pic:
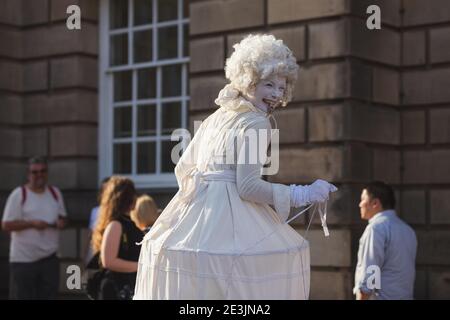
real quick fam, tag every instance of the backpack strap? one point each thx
(53, 192)
(24, 194)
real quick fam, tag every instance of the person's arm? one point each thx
(19, 225)
(372, 255)
(61, 222)
(250, 185)
(110, 250)
(362, 296)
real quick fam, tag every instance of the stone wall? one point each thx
(369, 104)
(425, 152)
(48, 106)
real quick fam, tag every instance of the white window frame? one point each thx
(106, 104)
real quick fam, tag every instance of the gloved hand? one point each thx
(316, 192)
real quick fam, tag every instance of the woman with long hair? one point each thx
(115, 237)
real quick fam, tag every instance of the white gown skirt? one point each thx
(219, 246)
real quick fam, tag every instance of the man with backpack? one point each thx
(34, 214)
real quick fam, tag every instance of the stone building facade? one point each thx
(369, 104)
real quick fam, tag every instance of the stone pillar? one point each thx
(48, 106)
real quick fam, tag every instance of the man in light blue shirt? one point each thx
(387, 248)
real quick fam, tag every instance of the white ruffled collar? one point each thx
(230, 99)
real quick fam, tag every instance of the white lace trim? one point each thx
(230, 99)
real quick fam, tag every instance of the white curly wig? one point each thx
(257, 57)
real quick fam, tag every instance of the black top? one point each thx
(131, 235)
(128, 250)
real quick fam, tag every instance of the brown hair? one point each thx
(145, 212)
(117, 199)
(101, 189)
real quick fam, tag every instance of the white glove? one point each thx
(317, 192)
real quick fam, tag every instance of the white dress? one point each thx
(219, 238)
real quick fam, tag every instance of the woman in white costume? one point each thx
(219, 237)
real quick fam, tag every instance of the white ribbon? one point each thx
(322, 208)
(323, 217)
(188, 191)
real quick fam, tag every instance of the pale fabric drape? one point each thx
(219, 238)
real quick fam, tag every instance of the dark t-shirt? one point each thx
(128, 250)
(131, 235)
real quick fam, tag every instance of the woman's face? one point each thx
(268, 93)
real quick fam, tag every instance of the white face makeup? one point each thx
(268, 93)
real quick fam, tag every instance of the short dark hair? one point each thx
(37, 160)
(383, 192)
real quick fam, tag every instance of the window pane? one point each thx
(119, 49)
(146, 120)
(147, 83)
(146, 157)
(171, 80)
(118, 14)
(122, 158)
(167, 42)
(143, 46)
(143, 12)
(171, 117)
(122, 122)
(122, 86)
(167, 10)
(166, 150)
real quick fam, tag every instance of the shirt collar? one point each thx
(385, 213)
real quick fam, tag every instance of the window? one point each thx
(143, 88)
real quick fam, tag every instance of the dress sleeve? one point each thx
(250, 185)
